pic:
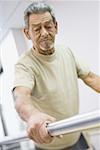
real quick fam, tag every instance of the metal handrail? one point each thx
(75, 124)
(66, 126)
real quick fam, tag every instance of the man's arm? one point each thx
(93, 81)
(23, 103)
(35, 119)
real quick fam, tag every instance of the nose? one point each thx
(44, 32)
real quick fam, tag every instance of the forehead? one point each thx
(39, 18)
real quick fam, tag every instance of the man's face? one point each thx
(42, 31)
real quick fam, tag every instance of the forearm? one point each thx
(24, 105)
(25, 110)
(93, 81)
(32, 114)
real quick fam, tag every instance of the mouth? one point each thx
(45, 40)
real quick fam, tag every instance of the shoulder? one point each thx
(25, 58)
(64, 50)
(27, 63)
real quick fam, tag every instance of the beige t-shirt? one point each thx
(53, 80)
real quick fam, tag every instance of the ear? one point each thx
(26, 32)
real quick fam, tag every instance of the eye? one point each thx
(48, 27)
(37, 29)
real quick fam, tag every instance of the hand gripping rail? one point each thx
(70, 125)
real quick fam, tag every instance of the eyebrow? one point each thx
(40, 23)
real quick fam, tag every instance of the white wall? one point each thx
(9, 57)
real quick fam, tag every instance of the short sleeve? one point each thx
(81, 67)
(23, 76)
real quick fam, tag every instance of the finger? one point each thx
(37, 137)
(44, 133)
(32, 135)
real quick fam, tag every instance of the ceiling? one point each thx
(11, 13)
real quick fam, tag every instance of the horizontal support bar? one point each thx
(75, 124)
(66, 126)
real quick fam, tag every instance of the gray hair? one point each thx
(37, 8)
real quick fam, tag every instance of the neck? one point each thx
(47, 52)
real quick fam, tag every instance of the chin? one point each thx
(47, 47)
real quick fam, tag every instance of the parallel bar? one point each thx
(73, 124)
(14, 139)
